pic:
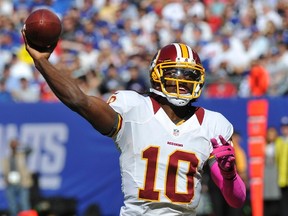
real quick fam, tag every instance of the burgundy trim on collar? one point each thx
(200, 114)
(155, 104)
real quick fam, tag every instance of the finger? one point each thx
(228, 163)
(223, 141)
(222, 154)
(24, 37)
(231, 159)
(223, 151)
(23, 33)
(214, 143)
(52, 47)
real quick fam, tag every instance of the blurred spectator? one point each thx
(147, 19)
(46, 94)
(89, 82)
(17, 178)
(128, 9)
(26, 93)
(217, 7)
(135, 82)
(108, 10)
(6, 7)
(5, 95)
(277, 71)
(19, 69)
(88, 56)
(196, 7)
(281, 152)
(267, 13)
(258, 44)
(112, 86)
(232, 55)
(242, 169)
(174, 12)
(5, 56)
(280, 70)
(221, 87)
(68, 61)
(208, 52)
(70, 24)
(196, 30)
(272, 192)
(112, 82)
(241, 157)
(10, 81)
(9, 40)
(88, 35)
(257, 81)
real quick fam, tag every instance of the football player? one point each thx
(164, 140)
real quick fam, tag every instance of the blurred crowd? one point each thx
(107, 45)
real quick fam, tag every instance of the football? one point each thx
(42, 29)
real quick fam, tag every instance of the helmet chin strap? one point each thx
(173, 100)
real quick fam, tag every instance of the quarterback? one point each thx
(164, 140)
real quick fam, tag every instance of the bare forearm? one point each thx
(100, 115)
(64, 86)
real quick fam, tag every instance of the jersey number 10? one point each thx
(150, 193)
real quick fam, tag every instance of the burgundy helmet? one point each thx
(181, 65)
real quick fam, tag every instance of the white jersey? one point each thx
(161, 163)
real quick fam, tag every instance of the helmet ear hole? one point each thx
(156, 86)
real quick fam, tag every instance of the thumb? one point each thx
(231, 159)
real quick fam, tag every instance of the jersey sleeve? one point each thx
(122, 102)
(218, 125)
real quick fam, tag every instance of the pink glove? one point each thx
(225, 157)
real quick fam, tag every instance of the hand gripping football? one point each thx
(42, 29)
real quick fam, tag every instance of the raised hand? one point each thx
(225, 156)
(34, 53)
